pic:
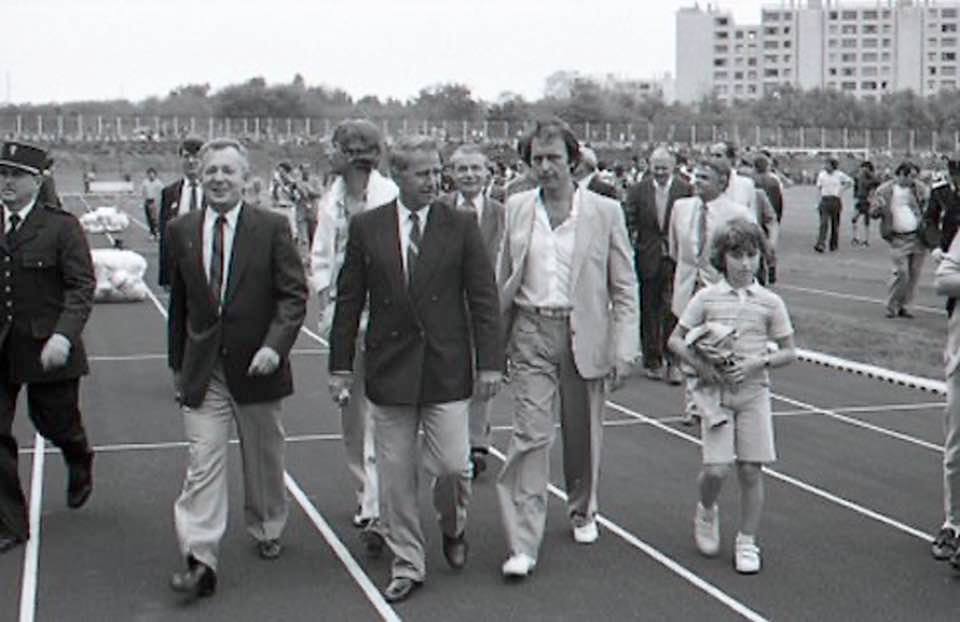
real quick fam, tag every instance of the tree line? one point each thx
(574, 97)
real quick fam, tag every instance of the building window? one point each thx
(751, 62)
(722, 35)
(868, 71)
(752, 89)
(849, 29)
(948, 84)
(885, 57)
(869, 43)
(831, 85)
(771, 45)
(786, 58)
(738, 35)
(849, 72)
(770, 30)
(848, 86)
(886, 28)
(885, 69)
(848, 57)
(751, 75)
(786, 44)
(932, 42)
(948, 27)
(770, 16)
(932, 71)
(869, 15)
(948, 42)
(738, 75)
(848, 43)
(770, 58)
(948, 70)
(832, 71)
(770, 73)
(833, 15)
(720, 75)
(786, 73)
(869, 29)
(834, 29)
(885, 14)
(849, 15)
(721, 89)
(948, 56)
(832, 43)
(885, 43)
(869, 57)
(786, 30)
(719, 62)
(721, 21)
(868, 85)
(720, 49)
(949, 13)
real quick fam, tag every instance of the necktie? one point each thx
(216, 259)
(14, 222)
(413, 247)
(702, 232)
(192, 204)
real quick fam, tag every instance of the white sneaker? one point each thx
(706, 529)
(747, 555)
(519, 565)
(585, 531)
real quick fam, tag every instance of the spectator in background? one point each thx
(831, 182)
(944, 208)
(900, 204)
(767, 219)
(524, 179)
(739, 189)
(771, 185)
(306, 206)
(586, 175)
(253, 191)
(182, 196)
(151, 189)
(864, 185)
(285, 194)
(89, 177)
(648, 206)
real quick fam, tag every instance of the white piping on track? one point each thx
(826, 292)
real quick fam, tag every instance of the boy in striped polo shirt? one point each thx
(758, 316)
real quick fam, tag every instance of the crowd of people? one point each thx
(437, 284)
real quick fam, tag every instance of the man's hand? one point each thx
(488, 383)
(264, 362)
(618, 375)
(55, 352)
(340, 385)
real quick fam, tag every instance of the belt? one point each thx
(558, 313)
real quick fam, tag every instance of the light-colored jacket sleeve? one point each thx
(323, 249)
(622, 284)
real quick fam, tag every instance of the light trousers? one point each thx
(907, 254)
(356, 421)
(479, 423)
(200, 512)
(445, 453)
(951, 452)
(547, 384)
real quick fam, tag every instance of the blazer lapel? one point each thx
(432, 248)
(388, 238)
(582, 236)
(30, 228)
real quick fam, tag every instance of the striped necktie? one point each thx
(413, 246)
(216, 260)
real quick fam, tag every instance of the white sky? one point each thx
(66, 50)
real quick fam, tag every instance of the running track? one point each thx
(851, 507)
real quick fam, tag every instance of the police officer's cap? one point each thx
(191, 145)
(23, 156)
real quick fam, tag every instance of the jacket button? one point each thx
(395, 334)
(223, 351)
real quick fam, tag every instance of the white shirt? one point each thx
(741, 190)
(901, 208)
(478, 204)
(229, 231)
(185, 196)
(404, 224)
(547, 272)
(661, 196)
(23, 213)
(832, 184)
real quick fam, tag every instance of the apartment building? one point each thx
(862, 48)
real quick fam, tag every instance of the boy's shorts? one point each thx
(748, 436)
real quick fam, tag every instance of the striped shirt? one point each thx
(758, 314)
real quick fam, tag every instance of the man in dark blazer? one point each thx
(188, 189)
(237, 301)
(470, 176)
(46, 295)
(648, 206)
(434, 320)
(586, 174)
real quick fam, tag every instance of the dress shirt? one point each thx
(901, 208)
(742, 190)
(831, 183)
(547, 272)
(153, 190)
(478, 204)
(229, 230)
(403, 222)
(661, 195)
(185, 196)
(23, 213)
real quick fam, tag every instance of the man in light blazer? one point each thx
(648, 206)
(470, 176)
(421, 268)
(693, 223)
(569, 295)
(237, 300)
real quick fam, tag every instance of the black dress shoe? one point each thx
(478, 461)
(400, 589)
(905, 313)
(8, 542)
(199, 580)
(79, 481)
(373, 542)
(269, 549)
(455, 550)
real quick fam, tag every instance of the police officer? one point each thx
(46, 294)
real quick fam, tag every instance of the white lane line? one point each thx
(31, 554)
(832, 294)
(814, 490)
(859, 423)
(373, 594)
(879, 410)
(661, 558)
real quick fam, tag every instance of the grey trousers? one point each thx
(200, 512)
(951, 452)
(907, 254)
(479, 423)
(546, 384)
(446, 458)
(356, 421)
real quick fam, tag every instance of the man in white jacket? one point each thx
(357, 187)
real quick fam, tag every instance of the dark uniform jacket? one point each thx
(169, 209)
(264, 304)
(46, 286)
(419, 340)
(649, 235)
